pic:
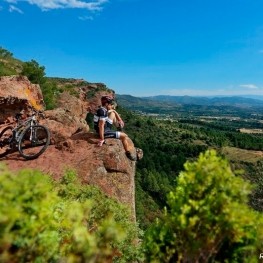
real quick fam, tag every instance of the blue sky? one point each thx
(142, 47)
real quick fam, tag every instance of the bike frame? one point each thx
(18, 130)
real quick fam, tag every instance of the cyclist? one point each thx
(103, 125)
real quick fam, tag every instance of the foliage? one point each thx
(50, 93)
(207, 218)
(6, 71)
(34, 72)
(255, 174)
(168, 142)
(165, 153)
(44, 221)
(5, 53)
(27, 227)
(8, 64)
(98, 87)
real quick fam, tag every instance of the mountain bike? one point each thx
(28, 136)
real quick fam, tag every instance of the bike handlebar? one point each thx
(36, 113)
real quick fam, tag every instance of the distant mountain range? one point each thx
(166, 100)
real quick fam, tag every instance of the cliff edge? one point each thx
(73, 145)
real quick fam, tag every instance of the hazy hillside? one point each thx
(156, 101)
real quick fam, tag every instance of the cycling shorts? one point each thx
(112, 134)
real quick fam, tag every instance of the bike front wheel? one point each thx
(5, 138)
(34, 141)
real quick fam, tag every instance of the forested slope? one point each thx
(167, 144)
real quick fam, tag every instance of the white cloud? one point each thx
(84, 18)
(249, 86)
(11, 1)
(95, 5)
(12, 8)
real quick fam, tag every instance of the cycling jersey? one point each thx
(102, 114)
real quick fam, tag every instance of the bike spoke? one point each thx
(34, 141)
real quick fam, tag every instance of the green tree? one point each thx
(5, 53)
(207, 219)
(34, 72)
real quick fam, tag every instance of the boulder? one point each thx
(18, 93)
(63, 124)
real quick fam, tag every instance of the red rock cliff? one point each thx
(73, 146)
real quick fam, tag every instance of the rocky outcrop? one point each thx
(73, 145)
(16, 94)
(63, 124)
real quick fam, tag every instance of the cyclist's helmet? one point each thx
(106, 99)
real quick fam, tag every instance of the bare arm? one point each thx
(117, 116)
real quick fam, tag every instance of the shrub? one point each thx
(50, 93)
(207, 219)
(28, 229)
(34, 72)
(44, 221)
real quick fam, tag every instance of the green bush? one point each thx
(44, 221)
(34, 72)
(50, 93)
(4, 53)
(28, 229)
(6, 70)
(207, 219)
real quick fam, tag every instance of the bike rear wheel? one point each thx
(5, 138)
(34, 141)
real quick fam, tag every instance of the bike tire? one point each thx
(34, 141)
(5, 138)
